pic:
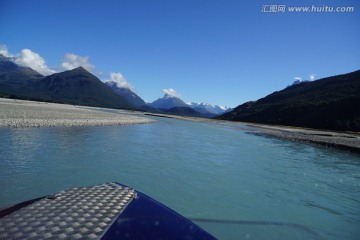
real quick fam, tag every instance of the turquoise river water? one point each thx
(264, 187)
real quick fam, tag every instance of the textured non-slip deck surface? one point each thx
(78, 213)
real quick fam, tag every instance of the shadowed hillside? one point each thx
(76, 86)
(13, 76)
(329, 103)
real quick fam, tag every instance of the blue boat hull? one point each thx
(115, 212)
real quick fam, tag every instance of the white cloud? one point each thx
(72, 61)
(4, 51)
(33, 60)
(312, 77)
(171, 92)
(120, 81)
(28, 58)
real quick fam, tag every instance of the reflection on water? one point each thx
(202, 170)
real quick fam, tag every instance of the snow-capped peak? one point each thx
(214, 109)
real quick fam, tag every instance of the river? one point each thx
(260, 187)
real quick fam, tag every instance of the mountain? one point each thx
(126, 93)
(77, 86)
(174, 105)
(167, 102)
(13, 76)
(209, 109)
(329, 103)
(10, 72)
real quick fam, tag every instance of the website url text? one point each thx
(306, 9)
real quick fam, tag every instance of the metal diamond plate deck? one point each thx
(78, 213)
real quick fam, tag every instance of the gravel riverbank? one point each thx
(340, 140)
(20, 113)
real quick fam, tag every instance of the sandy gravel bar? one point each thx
(340, 140)
(19, 113)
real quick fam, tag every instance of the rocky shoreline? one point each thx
(20, 113)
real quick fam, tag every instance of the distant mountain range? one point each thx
(170, 103)
(328, 103)
(76, 86)
(80, 87)
(208, 108)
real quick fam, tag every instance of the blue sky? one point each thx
(221, 52)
